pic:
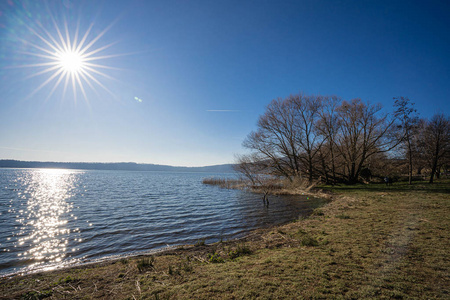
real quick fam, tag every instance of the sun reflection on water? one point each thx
(43, 237)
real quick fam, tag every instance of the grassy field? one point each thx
(370, 241)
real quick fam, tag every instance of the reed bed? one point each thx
(225, 183)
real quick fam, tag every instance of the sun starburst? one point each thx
(69, 60)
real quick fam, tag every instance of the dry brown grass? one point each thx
(225, 183)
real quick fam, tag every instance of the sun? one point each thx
(71, 61)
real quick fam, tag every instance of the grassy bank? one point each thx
(368, 242)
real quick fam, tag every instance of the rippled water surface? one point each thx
(51, 218)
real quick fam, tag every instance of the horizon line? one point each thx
(120, 162)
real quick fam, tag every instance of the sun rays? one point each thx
(68, 59)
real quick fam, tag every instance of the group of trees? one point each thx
(334, 140)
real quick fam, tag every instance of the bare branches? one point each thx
(318, 136)
(333, 140)
(362, 131)
(436, 139)
(408, 119)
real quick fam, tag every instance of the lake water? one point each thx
(53, 218)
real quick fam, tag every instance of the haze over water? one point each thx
(52, 218)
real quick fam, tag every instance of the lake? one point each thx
(52, 218)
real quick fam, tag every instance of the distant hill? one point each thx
(8, 163)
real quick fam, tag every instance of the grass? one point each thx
(145, 263)
(370, 241)
(200, 243)
(224, 182)
(240, 250)
(215, 258)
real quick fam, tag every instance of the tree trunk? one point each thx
(333, 168)
(410, 163)
(435, 160)
(352, 175)
(433, 171)
(310, 167)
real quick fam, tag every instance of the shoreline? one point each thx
(368, 242)
(101, 260)
(254, 234)
(168, 248)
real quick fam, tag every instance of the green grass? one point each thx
(215, 258)
(369, 242)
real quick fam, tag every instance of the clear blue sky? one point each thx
(187, 80)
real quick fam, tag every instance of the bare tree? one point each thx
(437, 142)
(408, 118)
(363, 132)
(317, 135)
(250, 167)
(287, 136)
(418, 147)
(275, 141)
(307, 113)
(327, 126)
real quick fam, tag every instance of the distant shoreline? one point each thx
(121, 166)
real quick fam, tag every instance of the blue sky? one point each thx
(185, 81)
